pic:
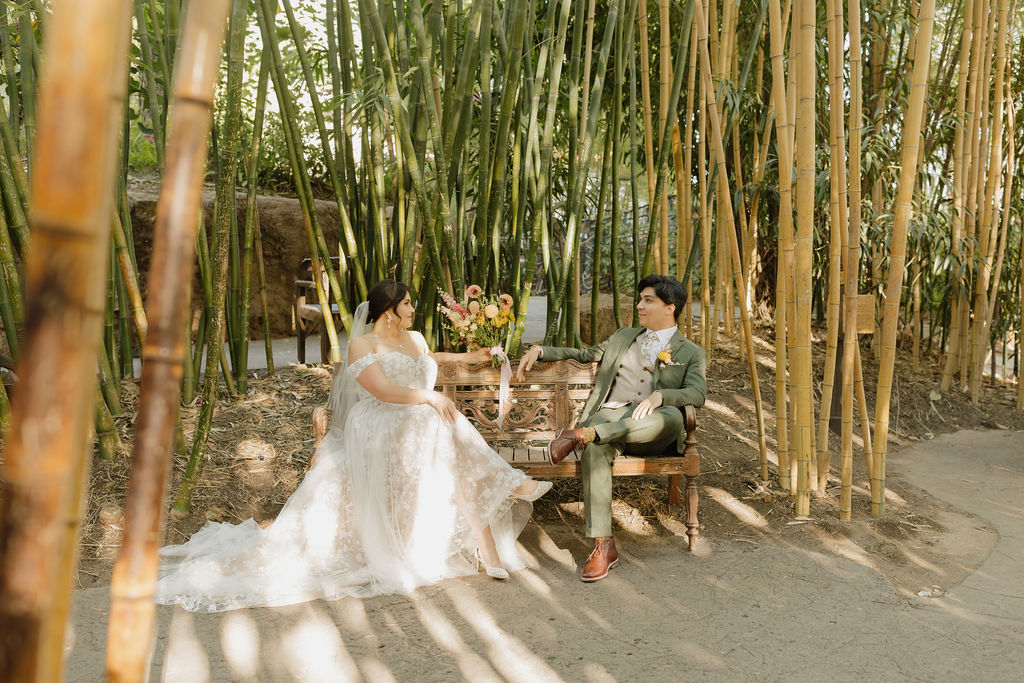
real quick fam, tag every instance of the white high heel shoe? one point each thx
(541, 488)
(499, 573)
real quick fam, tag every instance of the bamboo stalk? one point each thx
(46, 458)
(850, 341)
(837, 233)
(225, 209)
(737, 271)
(908, 173)
(134, 580)
(251, 219)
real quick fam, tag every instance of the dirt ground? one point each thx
(260, 446)
(917, 594)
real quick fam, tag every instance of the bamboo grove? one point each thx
(803, 162)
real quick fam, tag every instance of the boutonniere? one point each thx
(665, 358)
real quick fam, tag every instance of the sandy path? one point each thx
(732, 611)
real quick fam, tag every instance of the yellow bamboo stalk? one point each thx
(133, 585)
(837, 232)
(784, 138)
(648, 115)
(706, 317)
(665, 63)
(724, 194)
(686, 200)
(803, 409)
(898, 249)
(952, 356)
(81, 96)
(978, 89)
(982, 316)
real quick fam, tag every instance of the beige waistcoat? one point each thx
(633, 382)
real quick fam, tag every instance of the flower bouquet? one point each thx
(478, 322)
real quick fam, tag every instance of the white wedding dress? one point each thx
(393, 501)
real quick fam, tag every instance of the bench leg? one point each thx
(301, 334)
(692, 527)
(674, 480)
(325, 344)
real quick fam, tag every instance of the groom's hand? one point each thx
(648, 406)
(527, 361)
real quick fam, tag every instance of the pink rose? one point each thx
(506, 301)
(472, 291)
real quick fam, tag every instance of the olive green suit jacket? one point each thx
(681, 380)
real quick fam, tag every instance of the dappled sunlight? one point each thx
(185, 647)
(446, 636)
(716, 407)
(895, 498)
(240, 642)
(315, 634)
(743, 512)
(700, 656)
(595, 673)
(507, 653)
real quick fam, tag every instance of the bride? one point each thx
(402, 492)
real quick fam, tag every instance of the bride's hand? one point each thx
(443, 405)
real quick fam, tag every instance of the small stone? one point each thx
(111, 515)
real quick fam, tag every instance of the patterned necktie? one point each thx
(647, 340)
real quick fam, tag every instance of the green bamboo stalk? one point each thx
(595, 287)
(14, 202)
(242, 362)
(264, 302)
(7, 314)
(110, 346)
(346, 222)
(13, 96)
(27, 38)
(108, 385)
(14, 158)
(293, 142)
(543, 177)
(576, 198)
(318, 247)
(155, 110)
(225, 203)
(9, 273)
(401, 123)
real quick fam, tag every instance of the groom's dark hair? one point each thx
(668, 290)
(384, 296)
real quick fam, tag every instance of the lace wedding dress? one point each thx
(393, 501)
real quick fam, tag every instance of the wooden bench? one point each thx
(308, 318)
(551, 398)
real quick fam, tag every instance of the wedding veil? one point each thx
(343, 387)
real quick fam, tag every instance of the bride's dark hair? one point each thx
(383, 297)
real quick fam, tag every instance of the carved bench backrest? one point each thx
(551, 398)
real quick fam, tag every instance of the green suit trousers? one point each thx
(617, 432)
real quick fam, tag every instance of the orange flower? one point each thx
(665, 356)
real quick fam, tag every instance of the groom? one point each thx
(646, 375)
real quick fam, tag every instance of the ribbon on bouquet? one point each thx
(503, 389)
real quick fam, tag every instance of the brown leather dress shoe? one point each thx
(604, 557)
(565, 442)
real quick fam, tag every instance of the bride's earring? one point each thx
(389, 319)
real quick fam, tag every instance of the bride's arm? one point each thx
(478, 356)
(372, 379)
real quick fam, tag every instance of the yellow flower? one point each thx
(664, 356)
